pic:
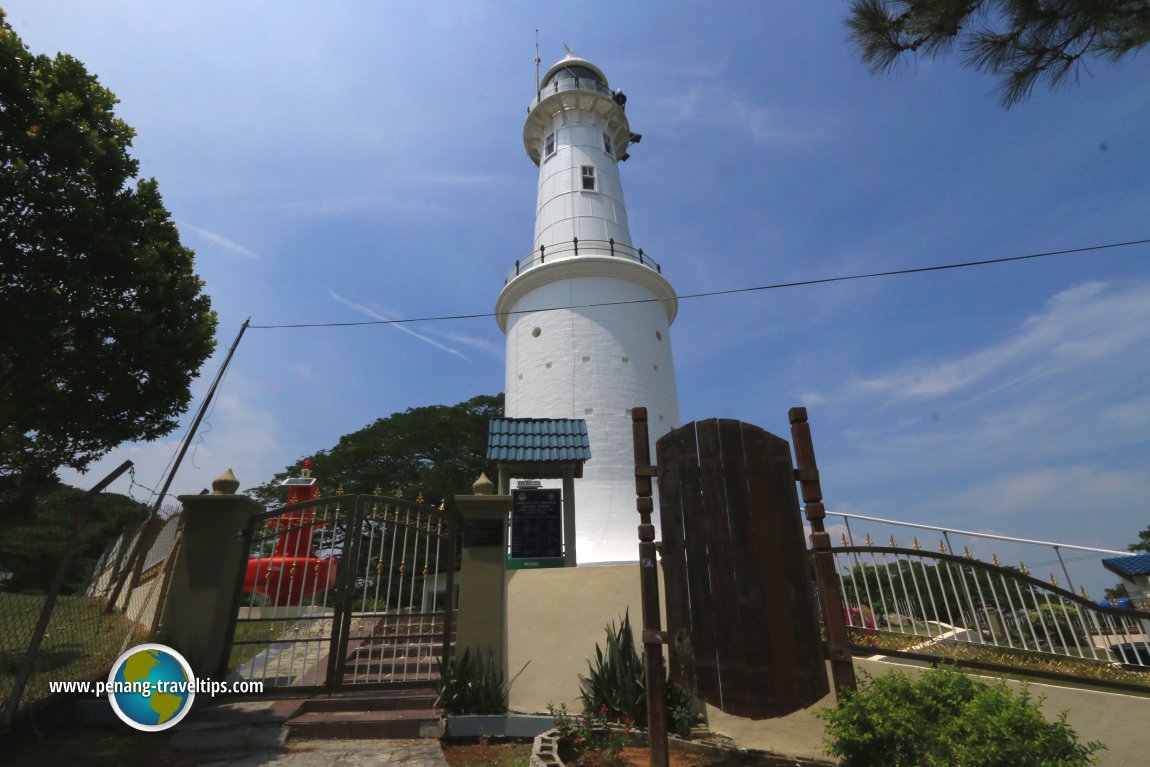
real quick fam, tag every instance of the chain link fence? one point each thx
(104, 595)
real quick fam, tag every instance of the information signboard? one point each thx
(536, 524)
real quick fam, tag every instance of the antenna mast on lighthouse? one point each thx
(537, 61)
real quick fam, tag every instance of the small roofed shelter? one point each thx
(1135, 571)
(542, 448)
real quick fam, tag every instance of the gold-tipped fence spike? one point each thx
(1053, 580)
(1022, 568)
(1085, 594)
(893, 543)
(917, 544)
(339, 489)
(426, 571)
(966, 552)
(419, 497)
(942, 547)
(869, 540)
(378, 489)
(443, 505)
(997, 562)
(843, 538)
(399, 492)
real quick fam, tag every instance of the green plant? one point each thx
(617, 684)
(616, 680)
(681, 720)
(591, 732)
(948, 718)
(473, 685)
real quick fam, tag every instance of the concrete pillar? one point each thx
(201, 602)
(482, 574)
(569, 553)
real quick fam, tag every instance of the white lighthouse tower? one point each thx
(587, 314)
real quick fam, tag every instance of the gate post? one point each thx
(482, 618)
(200, 608)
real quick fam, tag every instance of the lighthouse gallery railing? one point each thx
(577, 248)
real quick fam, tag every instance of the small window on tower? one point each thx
(589, 178)
(549, 145)
(607, 146)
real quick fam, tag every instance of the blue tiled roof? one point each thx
(538, 440)
(1135, 564)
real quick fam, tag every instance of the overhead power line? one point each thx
(728, 292)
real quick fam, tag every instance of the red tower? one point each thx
(293, 571)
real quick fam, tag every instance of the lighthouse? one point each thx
(587, 314)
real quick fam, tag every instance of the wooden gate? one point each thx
(741, 609)
(346, 590)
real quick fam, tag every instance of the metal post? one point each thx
(541, 255)
(576, 241)
(807, 473)
(653, 636)
(1069, 583)
(138, 551)
(612, 242)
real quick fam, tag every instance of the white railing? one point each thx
(935, 594)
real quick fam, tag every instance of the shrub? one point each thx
(948, 718)
(616, 684)
(473, 686)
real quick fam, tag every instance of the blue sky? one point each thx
(338, 161)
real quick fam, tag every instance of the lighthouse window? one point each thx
(589, 178)
(549, 145)
(607, 144)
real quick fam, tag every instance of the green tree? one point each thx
(104, 322)
(1021, 41)
(438, 450)
(31, 542)
(1143, 542)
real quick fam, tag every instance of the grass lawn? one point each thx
(81, 642)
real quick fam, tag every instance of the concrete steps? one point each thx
(400, 713)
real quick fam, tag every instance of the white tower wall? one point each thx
(565, 357)
(564, 211)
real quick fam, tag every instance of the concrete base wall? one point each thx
(556, 617)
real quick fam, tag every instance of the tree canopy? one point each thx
(1021, 41)
(1143, 543)
(31, 541)
(104, 321)
(438, 450)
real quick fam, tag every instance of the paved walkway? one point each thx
(318, 753)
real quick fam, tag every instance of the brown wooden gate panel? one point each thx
(741, 609)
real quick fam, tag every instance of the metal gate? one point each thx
(345, 590)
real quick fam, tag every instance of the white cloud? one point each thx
(367, 311)
(716, 105)
(223, 242)
(481, 344)
(1079, 326)
(236, 434)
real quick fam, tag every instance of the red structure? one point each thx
(293, 571)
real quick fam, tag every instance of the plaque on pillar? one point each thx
(536, 529)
